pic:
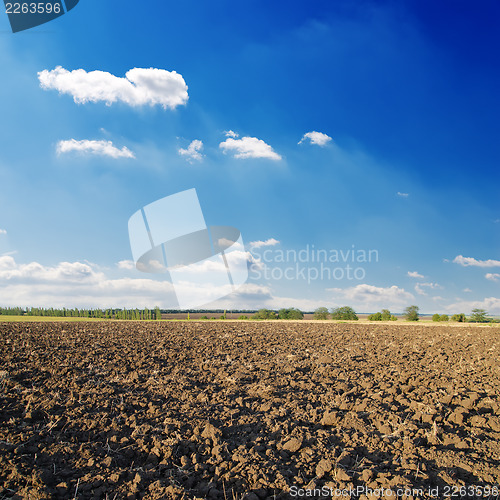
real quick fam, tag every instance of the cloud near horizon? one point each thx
(370, 296)
(90, 147)
(141, 86)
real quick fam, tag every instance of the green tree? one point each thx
(393, 318)
(444, 317)
(344, 313)
(436, 317)
(157, 313)
(411, 313)
(375, 317)
(386, 315)
(478, 316)
(321, 313)
(243, 317)
(291, 313)
(458, 317)
(264, 314)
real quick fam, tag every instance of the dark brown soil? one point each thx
(254, 410)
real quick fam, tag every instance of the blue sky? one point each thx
(402, 96)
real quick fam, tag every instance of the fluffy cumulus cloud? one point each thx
(97, 148)
(492, 276)
(470, 261)
(193, 151)
(317, 138)
(366, 298)
(82, 284)
(67, 272)
(139, 87)
(126, 264)
(415, 274)
(231, 133)
(271, 242)
(76, 284)
(249, 147)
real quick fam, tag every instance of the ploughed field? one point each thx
(250, 410)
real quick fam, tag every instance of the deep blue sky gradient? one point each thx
(407, 90)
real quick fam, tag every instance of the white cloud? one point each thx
(140, 86)
(68, 272)
(126, 264)
(249, 147)
(99, 148)
(414, 274)
(467, 290)
(3, 231)
(491, 304)
(419, 287)
(267, 243)
(193, 151)
(76, 284)
(402, 195)
(492, 276)
(231, 133)
(255, 296)
(368, 297)
(317, 138)
(470, 261)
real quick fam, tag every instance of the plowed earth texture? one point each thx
(252, 410)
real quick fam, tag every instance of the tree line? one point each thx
(344, 313)
(122, 314)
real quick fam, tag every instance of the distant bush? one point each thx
(321, 313)
(291, 313)
(438, 317)
(344, 313)
(243, 317)
(411, 313)
(384, 315)
(459, 317)
(204, 317)
(264, 314)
